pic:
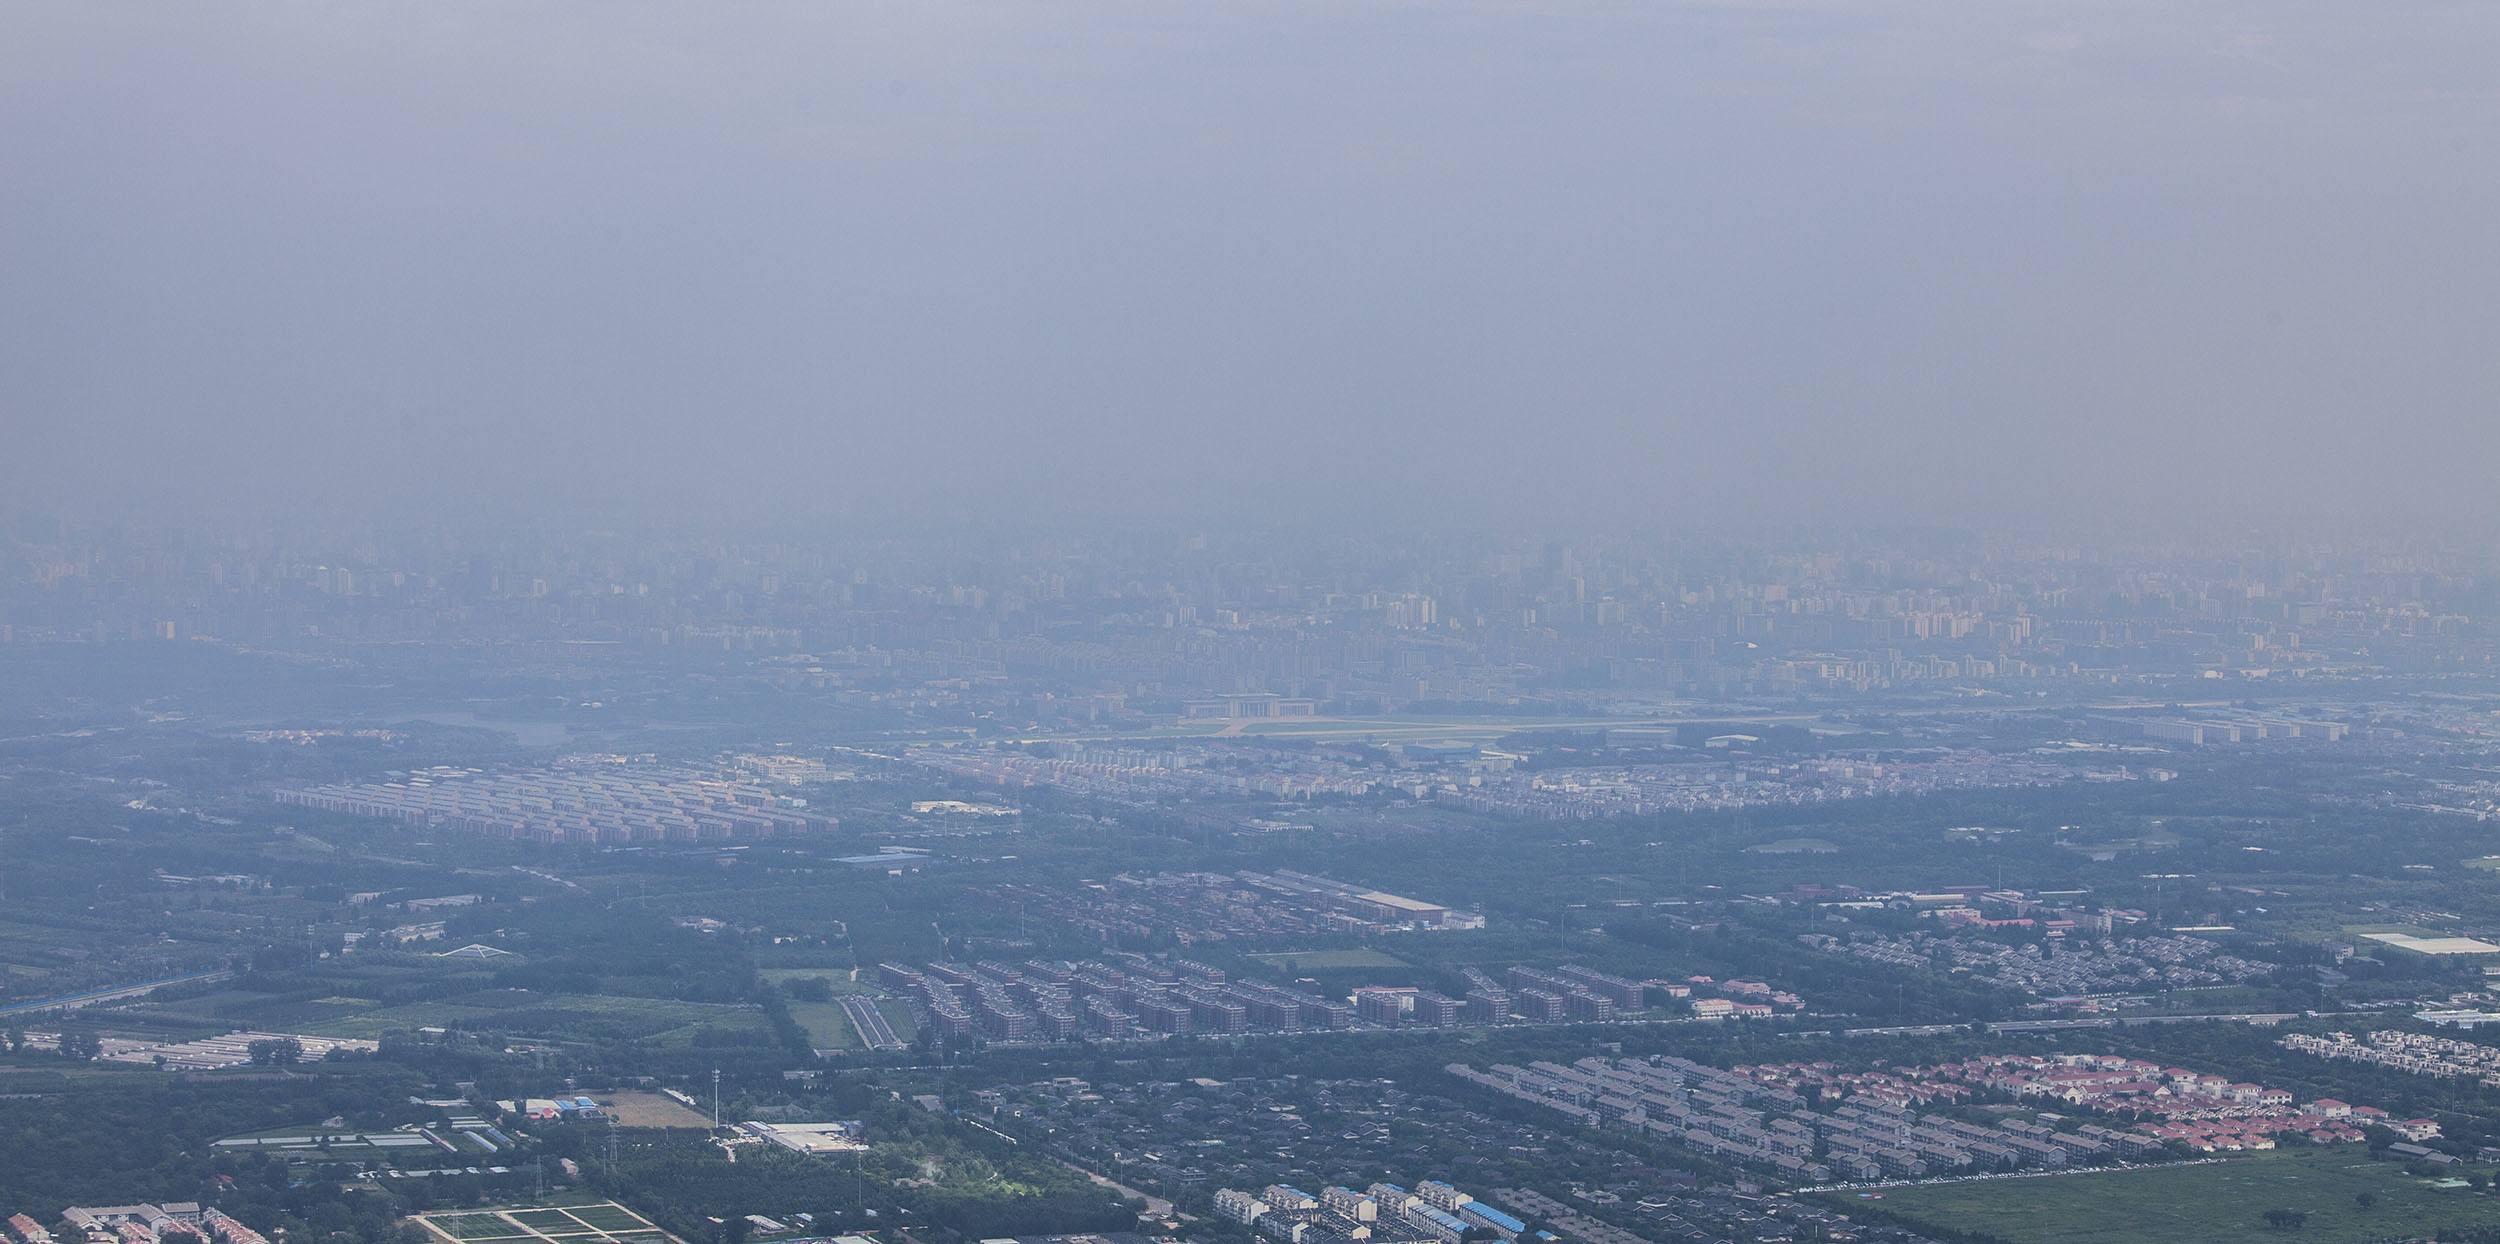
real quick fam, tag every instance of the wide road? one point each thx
(869, 1022)
(75, 1001)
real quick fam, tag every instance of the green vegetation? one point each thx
(608, 1217)
(2343, 1195)
(961, 1180)
(472, 1226)
(117, 1138)
(547, 1220)
(898, 1017)
(826, 1024)
(600, 1222)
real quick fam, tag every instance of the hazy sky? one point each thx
(1485, 260)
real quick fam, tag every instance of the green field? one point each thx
(837, 980)
(2190, 1204)
(1332, 960)
(471, 1226)
(609, 1218)
(551, 1016)
(602, 1222)
(827, 1027)
(898, 1017)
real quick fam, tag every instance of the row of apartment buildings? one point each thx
(1383, 1213)
(1737, 1118)
(1135, 998)
(2208, 731)
(2415, 1053)
(1129, 996)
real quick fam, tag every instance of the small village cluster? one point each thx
(1819, 1122)
(175, 1222)
(2207, 1113)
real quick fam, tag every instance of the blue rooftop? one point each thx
(1492, 1217)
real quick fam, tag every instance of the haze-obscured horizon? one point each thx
(1586, 262)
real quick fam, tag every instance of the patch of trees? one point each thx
(275, 1052)
(145, 1137)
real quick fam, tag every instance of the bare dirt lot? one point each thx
(652, 1110)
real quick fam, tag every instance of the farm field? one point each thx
(827, 1027)
(898, 1017)
(599, 1222)
(2191, 1204)
(552, 1016)
(2408, 930)
(837, 979)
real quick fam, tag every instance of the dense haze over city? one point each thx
(1435, 263)
(1249, 623)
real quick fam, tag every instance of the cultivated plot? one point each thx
(596, 1222)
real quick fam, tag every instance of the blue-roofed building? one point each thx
(1439, 1224)
(1502, 1222)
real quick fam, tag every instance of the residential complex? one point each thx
(577, 803)
(1131, 997)
(174, 1222)
(2058, 966)
(1817, 1123)
(2418, 1053)
(1128, 998)
(1650, 790)
(1382, 1213)
(1148, 908)
(1760, 1122)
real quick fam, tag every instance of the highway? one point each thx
(75, 1001)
